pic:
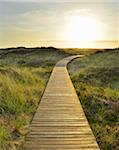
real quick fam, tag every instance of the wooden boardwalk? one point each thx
(60, 123)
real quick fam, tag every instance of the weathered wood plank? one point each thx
(60, 122)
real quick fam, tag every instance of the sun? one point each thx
(84, 28)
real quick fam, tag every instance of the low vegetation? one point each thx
(20, 92)
(23, 77)
(24, 73)
(96, 79)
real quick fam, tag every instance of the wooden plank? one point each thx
(60, 122)
(47, 147)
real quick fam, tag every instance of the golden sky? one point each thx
(68, 23)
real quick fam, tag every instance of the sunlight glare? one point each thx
(84, 28)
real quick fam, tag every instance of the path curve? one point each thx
(60, 122)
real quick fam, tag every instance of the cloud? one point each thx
(80, 11)
(39, 15)
(53, 15)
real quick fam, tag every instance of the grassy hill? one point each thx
(96, 79)
(23, 76)
(24, 73)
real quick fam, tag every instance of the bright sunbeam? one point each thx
(84, 28)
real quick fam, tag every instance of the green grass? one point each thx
(20, 90)
(24, 74)
(23, 78)
(96, 79)
(4, 136)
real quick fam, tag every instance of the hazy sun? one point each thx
(84, 28)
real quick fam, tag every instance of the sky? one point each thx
(64, 23)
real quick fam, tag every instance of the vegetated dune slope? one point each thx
(23, 77)
(24, 73)
(96, 79)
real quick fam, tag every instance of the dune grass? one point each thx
(20, 92)
(23, 77)
(24, 74)
(96, 79)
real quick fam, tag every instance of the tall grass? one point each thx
(96, 79)
(20, 92)
(4, 136)
(23, 77)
